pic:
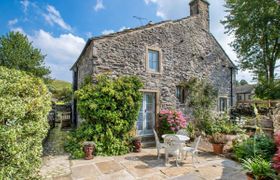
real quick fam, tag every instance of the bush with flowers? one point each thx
(170, 121)
(276, 157)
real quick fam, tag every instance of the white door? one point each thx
(147, 114)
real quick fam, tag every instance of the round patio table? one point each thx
(181, 137)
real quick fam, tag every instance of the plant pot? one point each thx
(89, 150)
(218, 148)
(136, 145)
(250, 176)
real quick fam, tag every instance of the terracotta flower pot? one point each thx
(218, 148)
(88, 149)
(250, 176)
(136, 145)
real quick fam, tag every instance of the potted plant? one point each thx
(136, 143)
(258, 168)
(88, 147)
(218, 141)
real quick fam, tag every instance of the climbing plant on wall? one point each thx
(110, 109)
(202, 97)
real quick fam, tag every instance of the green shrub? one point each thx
(259, 145)
(110, 109)
(258, 167)
(222, 124)
(24, 105)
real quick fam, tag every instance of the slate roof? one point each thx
(244, 89)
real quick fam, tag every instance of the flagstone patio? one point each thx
(144, 165)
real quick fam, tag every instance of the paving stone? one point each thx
(68, 177)
(176, 171)
(54, 166)
(210, 172)
(85, 172)
(190, 176)
(154, 177)
(119, 175)
(109, 167)
(139, 169)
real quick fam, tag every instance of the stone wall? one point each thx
(276, 118)
(187, 51)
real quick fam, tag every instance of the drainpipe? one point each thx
(231, 86)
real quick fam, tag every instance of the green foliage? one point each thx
(61, 90)
(222, 124)
(255, 26)
(202, 98)
(259, 167)
(243, 82)
(259, 145)
(191, 130)
(24, 103)
(110, 109)
(268, 91)
(18, 53)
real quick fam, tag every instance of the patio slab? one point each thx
(109, 167)
(144, 165)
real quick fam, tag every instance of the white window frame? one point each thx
(148, 69)
(220, 109)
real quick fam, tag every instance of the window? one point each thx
(181, 94)
(239, 97)
(153, 60)
(222, 104)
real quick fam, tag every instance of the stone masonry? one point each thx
(187, 49)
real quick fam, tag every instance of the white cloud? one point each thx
(18, 29)
(62, 51)
(170, 9)
(99, 5)
(107, 31)
(12, 22)
(25, 5)
(123, 28)
(53, 17)
(89, 34)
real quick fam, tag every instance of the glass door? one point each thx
(147, 114)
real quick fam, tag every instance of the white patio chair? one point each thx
(159, 145)
(193, 150)
(172, 146)
(182, 132)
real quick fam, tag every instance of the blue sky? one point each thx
(61, 28)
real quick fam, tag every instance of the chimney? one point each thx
(200, 8)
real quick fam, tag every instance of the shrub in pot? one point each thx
(218, 141)
(258, 168)
(89, 148)
(136, 144)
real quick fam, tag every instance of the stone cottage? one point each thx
(162, 55)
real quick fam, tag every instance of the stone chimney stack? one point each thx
(200, 8)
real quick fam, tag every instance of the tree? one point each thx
(18, 53)
(255, 26)
(243, 82)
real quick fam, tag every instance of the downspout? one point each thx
(231, 86)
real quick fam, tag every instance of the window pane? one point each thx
(154, 60)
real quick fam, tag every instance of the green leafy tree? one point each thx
(255, 26)
(243, 82)
(18, 53)
(25, 103)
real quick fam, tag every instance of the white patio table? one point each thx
(182, 138)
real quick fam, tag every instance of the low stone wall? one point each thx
(276, 118)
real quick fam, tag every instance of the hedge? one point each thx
(24, 105)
